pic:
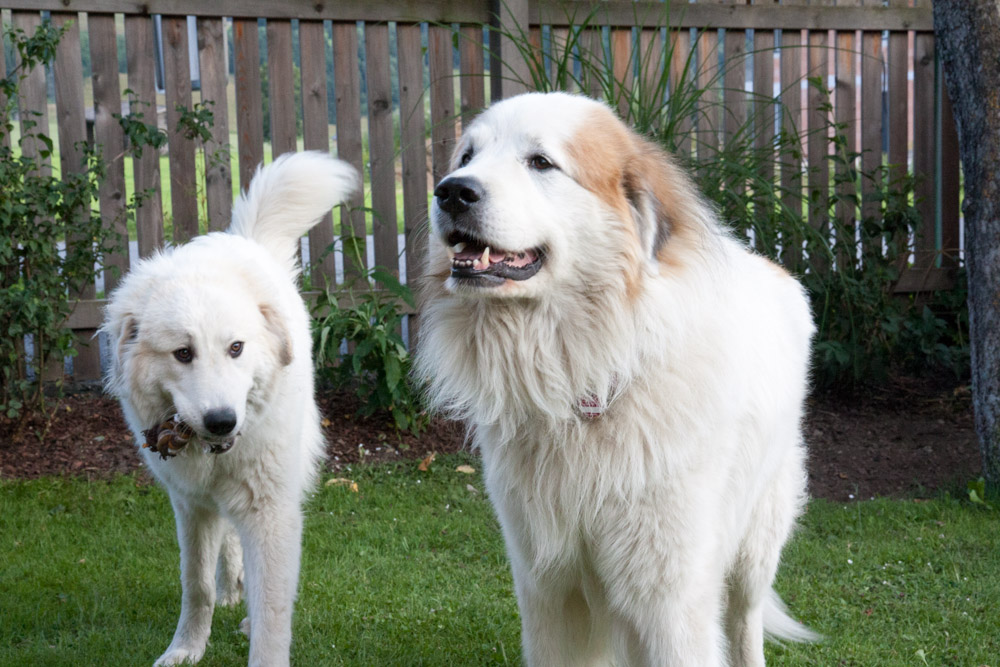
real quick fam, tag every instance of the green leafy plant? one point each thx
(357, 343)
(39, 212)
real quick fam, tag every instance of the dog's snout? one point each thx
(220, 421)
(458, 195)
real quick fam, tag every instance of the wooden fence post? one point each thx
(509, 73)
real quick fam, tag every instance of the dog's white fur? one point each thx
(651, 534)
(219, 289)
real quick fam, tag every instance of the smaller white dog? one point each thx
(212, 364)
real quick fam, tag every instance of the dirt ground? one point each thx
(912, 439)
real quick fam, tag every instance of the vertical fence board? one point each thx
(249, 105)
(871, 115)
(791, 115)
(764, 117)
(621, 69)
(442, 100)
(562, 57)
(473, 85)
(592, 59)
(898, 115)
(681, 70)
(413, 144)
(109, 139)
(709, 117)
(818, 146)
(5, 140)
(146, 169)
(924, 131)
(177, 82)
(950, 184)
(281, 86)
(650, 89)
(316, 136)
(348, 103)
(67, 72)
(31, 102)
(382, 158)
(214, 80)
(845, 111)
(733, 93)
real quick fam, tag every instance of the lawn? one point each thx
(410, 570)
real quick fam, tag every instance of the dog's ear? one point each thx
(659, 193)
(276, 327)
(123, 330)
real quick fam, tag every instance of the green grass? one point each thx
(410, 570)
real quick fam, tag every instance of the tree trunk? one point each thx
(968, 36)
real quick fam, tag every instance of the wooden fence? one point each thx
(406, 73)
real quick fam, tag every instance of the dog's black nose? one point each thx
(220, 421)
(457, 195)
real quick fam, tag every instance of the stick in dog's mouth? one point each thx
(170, 436)
(472, 258)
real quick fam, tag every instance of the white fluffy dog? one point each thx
(635, 380)
(213, 338)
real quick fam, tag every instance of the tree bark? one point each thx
(968, 37)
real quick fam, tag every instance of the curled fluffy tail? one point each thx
(780, 626)
(288, 197)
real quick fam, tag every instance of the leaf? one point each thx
(426, 463)
(393, 372)
(343, 481)
(468, 470)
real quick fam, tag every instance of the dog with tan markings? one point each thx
(634, 378)
(212, 364)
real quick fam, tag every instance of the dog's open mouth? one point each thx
(475, 260)
(171, 435)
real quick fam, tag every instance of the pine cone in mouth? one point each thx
(168, 437)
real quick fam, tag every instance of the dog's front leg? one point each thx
(272, 541)
(199, 533)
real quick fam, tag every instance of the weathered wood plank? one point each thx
(5, 139)
(214, 80)
(871, 121)
(472, 93)
(281, 86)
(898, 115)
(33, 109)
(413, 146)
(818, 145)
(682, 70)
(791, 124)
(950, 182)
(442, 100)
(733, 95)
(845, 115)
(67, 72)
(316, 136)
(924, 149)
(554, 12)
(146, 168)
(177, 82)
(509, 73)
(651, 88)
(621, 69)
(763, 126)
(249, 105)
(709, 116)
(382, 154)
(109, 139)
(348, 103)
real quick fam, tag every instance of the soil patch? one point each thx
(913, 439)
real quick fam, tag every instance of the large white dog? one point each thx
(212, 364)
(634, 378)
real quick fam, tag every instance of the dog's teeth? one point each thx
(451, 253)
(486, 258)
(458, 247)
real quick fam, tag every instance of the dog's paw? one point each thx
(245, 626)
(179, 656)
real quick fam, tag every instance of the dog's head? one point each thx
(552, 189)
(193, 334)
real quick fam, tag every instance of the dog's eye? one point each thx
(236, 349)
(185, 355)
(540, 163)
(466, 159)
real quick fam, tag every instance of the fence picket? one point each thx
(249, 105)
(845, 111)
(177, 83)
(281, 87)
(442, 93)
(899, 112)
(791, 124)
(472, 91)
(110, 139)
(871, 117)
(382, 154)
(818, 145)
(146, 168)
(214, 79)
(764, 117)
(924, 146)
(316, 137)
(346, 74)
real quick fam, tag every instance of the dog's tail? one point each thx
(288, 197)
(778, 625)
